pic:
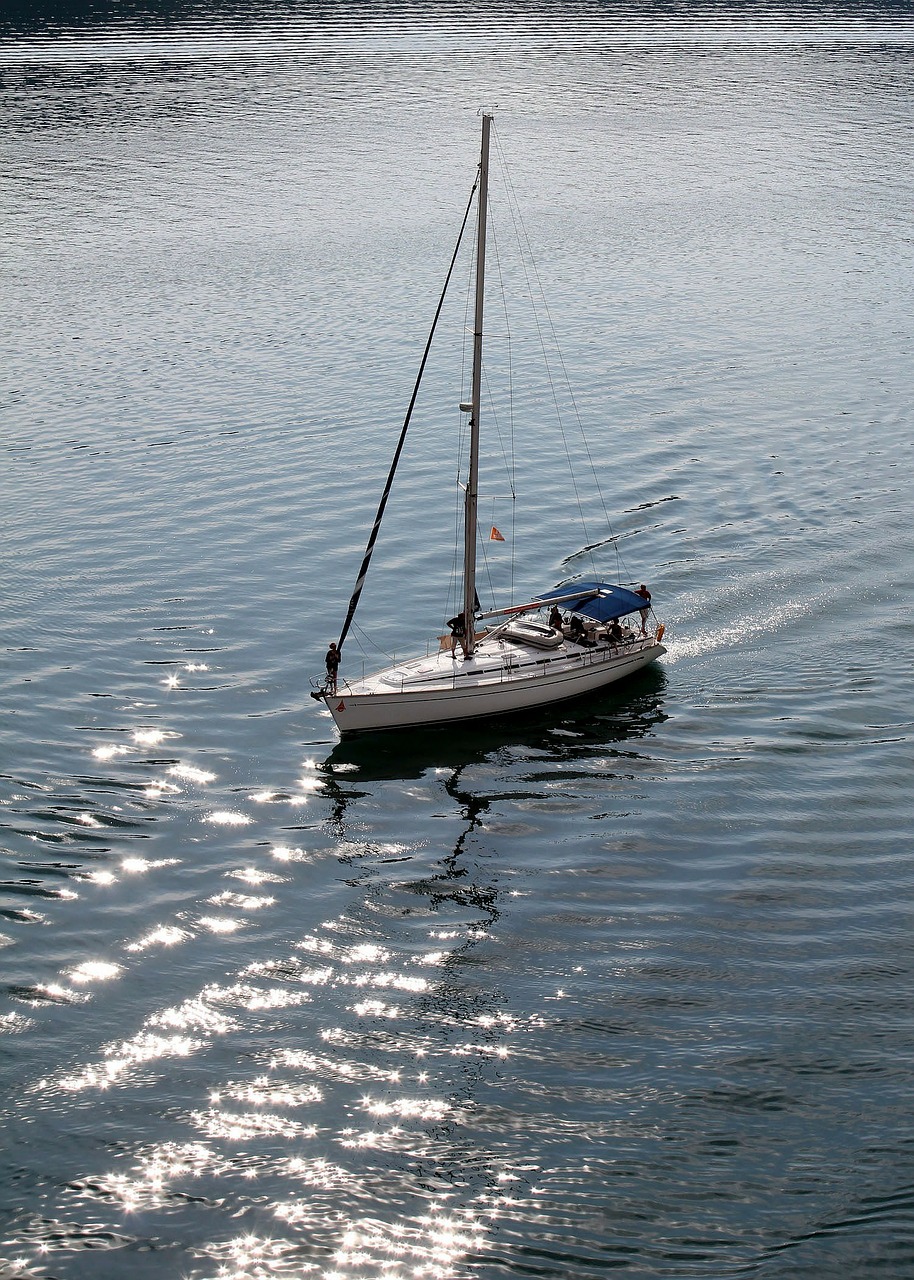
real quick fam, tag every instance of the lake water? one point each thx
(621, 987)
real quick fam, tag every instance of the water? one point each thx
(621, 987)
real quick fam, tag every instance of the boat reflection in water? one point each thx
(610, 721)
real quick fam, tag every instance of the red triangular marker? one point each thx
(495, 536)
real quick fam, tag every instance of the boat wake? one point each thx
(739, 631)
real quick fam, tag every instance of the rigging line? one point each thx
(369, 644)
(511, 495)
(465, 359)
(507, 455)
(508, 452)
(524, 238)
(491, 412)
(373, 536)
(510, 467)
(555, 400)
(481, 539)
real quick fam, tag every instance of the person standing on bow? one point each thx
(332, 661)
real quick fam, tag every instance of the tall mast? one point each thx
(472, 491)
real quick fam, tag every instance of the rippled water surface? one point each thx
(621, 987)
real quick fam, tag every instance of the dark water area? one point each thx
(402, 23)
(624, 986)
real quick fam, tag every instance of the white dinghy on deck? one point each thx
(522, 662)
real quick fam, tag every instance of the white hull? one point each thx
(499, 678)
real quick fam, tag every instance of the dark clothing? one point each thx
(333, 665)
(458, 624)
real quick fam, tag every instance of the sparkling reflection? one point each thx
(53, 993)
(166, 935)
(430, 1246)
(243, 901)
(94, 971)
(146, 1047)
(256, 876)
(100, 877)
(252, 1257)
(158, 788)
(228, 818)
(266, 1092)
(220, 924)
(110, 751)
(284, 853)
(191, 774)
(150, 1181)
(377, 1088)
(248, 1125)
(15, 1023)
(137, 866)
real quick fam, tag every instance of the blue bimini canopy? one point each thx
(597, 600)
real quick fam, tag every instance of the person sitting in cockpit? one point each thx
(576, 630)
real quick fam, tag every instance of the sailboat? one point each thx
(570, 640)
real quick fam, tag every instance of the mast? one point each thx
(472, 490)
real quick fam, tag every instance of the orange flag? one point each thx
(495, 536)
